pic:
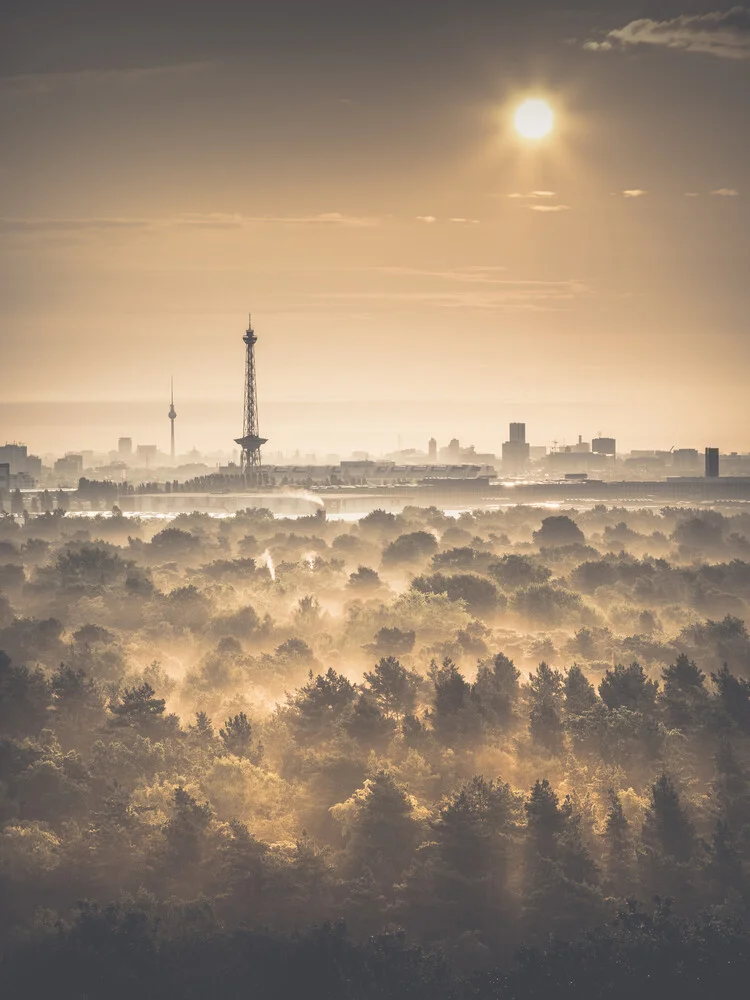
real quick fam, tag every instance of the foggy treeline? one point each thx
(505, 754)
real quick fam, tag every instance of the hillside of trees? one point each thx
(500, 755)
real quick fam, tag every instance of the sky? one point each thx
(348, 172)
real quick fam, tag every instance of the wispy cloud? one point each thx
(214, 220)
(429, 219)
(532, 195)
(480, 274)
(45, 83)
(462, 221)
(725, 34)
(634, 193)
(321, 219)
(548, 208)
(51, 225)
(507, 295)
(725, 193)
(43, 225)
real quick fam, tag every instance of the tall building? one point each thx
(16, 455)
(516, 451)
(172, 418)
(517, 434)
(432, 451)
(125, 447)
(712, 463)
(251, 441)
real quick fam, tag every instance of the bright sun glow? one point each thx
(534, 119)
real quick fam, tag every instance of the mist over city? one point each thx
(374, 500)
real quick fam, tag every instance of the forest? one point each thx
(504, 754)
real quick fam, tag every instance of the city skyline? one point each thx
(355, 179)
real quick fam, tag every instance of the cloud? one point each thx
(45, 83)
(548, 208)
(321, 219)
(533, 194)
(429, 219)
(462, 221)
(634, 193)
(479, 274)
(217, 220)
(507, 295)
(49, 225)
(214, 220)
(725, 34)
(726, 193)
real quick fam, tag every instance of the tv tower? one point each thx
(250, 441)
(172, 414)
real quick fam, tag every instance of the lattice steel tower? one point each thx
(250, 441)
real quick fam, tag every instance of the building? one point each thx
(4, 478)
(15, 455)
(516, 451)
(125, 447)
(19, 460)
(432, 451)
(604, 446)
(568, 461)
(581, 447)
(712, 463)
(452, 452)
(686, 460)
(146, 453)
(71, 466)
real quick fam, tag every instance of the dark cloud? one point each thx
(719, 33)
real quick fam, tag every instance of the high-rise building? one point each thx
(516, 451)
(432, 451)
(16, 456)
(712, 463)
(125, 447)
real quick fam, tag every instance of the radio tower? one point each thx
(250, 441)
(172, 415)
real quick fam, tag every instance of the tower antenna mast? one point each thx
(172, 415)
(250, 442)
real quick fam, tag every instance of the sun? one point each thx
(534, 119)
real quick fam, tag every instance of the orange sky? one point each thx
(351, 179)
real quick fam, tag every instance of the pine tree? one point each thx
(666, 828)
